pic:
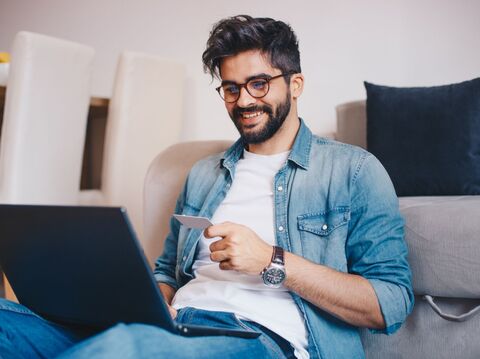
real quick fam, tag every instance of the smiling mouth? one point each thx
(248, 115)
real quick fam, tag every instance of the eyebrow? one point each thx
(257, 76)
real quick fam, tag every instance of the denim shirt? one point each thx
(334, 205)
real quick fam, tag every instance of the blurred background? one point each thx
(342, 43)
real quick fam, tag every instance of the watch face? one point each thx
(274, 276)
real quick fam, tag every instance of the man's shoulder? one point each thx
(337, 150)
(352, 162)
(208, 163)
(202, 177)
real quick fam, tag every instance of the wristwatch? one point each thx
(274, 274)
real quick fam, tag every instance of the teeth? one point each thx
(250, 115)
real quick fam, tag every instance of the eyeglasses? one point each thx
(257, 87)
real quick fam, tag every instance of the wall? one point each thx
(342, 43)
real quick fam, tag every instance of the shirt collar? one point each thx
(300, 153)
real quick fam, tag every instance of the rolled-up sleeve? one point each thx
(165, 265)
(375, 246)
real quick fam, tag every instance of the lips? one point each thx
(251, 119)
(248, 117)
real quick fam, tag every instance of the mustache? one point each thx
(239, 111)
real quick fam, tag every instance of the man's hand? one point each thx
(168, 293)
(172, 310)
(240, 248)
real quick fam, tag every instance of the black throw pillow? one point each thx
(428, 138)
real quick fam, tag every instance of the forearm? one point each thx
(347, 296)
(167, 291)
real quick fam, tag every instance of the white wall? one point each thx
(342, 43)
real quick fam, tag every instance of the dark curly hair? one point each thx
(240, 33)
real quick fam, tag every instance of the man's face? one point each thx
(257, 119)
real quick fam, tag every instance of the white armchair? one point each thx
(43, 131)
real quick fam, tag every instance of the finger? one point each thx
(213, 231)
(219, 256)
(219, 245)
(225, 265)
(218, 230)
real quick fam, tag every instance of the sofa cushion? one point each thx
(443, 238)
(428, 138)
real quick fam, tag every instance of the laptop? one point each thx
(83, 266)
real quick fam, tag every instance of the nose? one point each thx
(244, 98)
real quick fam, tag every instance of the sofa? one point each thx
(441, 233)
(443, 237)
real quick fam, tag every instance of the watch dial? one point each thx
(274, 276)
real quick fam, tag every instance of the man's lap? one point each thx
(25, 334)
(144, 341)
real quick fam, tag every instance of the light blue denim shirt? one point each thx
(334, 205)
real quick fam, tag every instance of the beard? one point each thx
(274, 122)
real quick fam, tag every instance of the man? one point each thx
(307, 244)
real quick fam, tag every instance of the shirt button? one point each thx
(280, 188)
(324, 227)
(280, 228)
(184, 258)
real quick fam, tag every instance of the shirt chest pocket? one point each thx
(323, 235)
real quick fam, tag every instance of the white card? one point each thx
(193, 221)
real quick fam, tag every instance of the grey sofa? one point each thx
(443, 236)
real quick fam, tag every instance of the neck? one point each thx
(281, 141)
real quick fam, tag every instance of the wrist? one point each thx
(266, 258)
(274, 273)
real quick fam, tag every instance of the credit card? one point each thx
(193, 221)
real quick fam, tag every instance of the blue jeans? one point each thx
(24, 334)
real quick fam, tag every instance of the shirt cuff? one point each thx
(395, 305)
(162, 278)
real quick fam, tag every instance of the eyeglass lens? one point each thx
(255, 87)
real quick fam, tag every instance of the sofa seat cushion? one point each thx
(443, 236)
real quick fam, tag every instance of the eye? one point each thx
(230, 89)
(258, 84)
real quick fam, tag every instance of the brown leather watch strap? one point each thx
(277, 255)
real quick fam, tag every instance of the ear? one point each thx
(296, 85)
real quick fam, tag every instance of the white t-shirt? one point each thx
(249, 202)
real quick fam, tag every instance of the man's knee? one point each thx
(122, 340)
(11, 311)
(124, 334)
(7, 305)
(119, 331)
